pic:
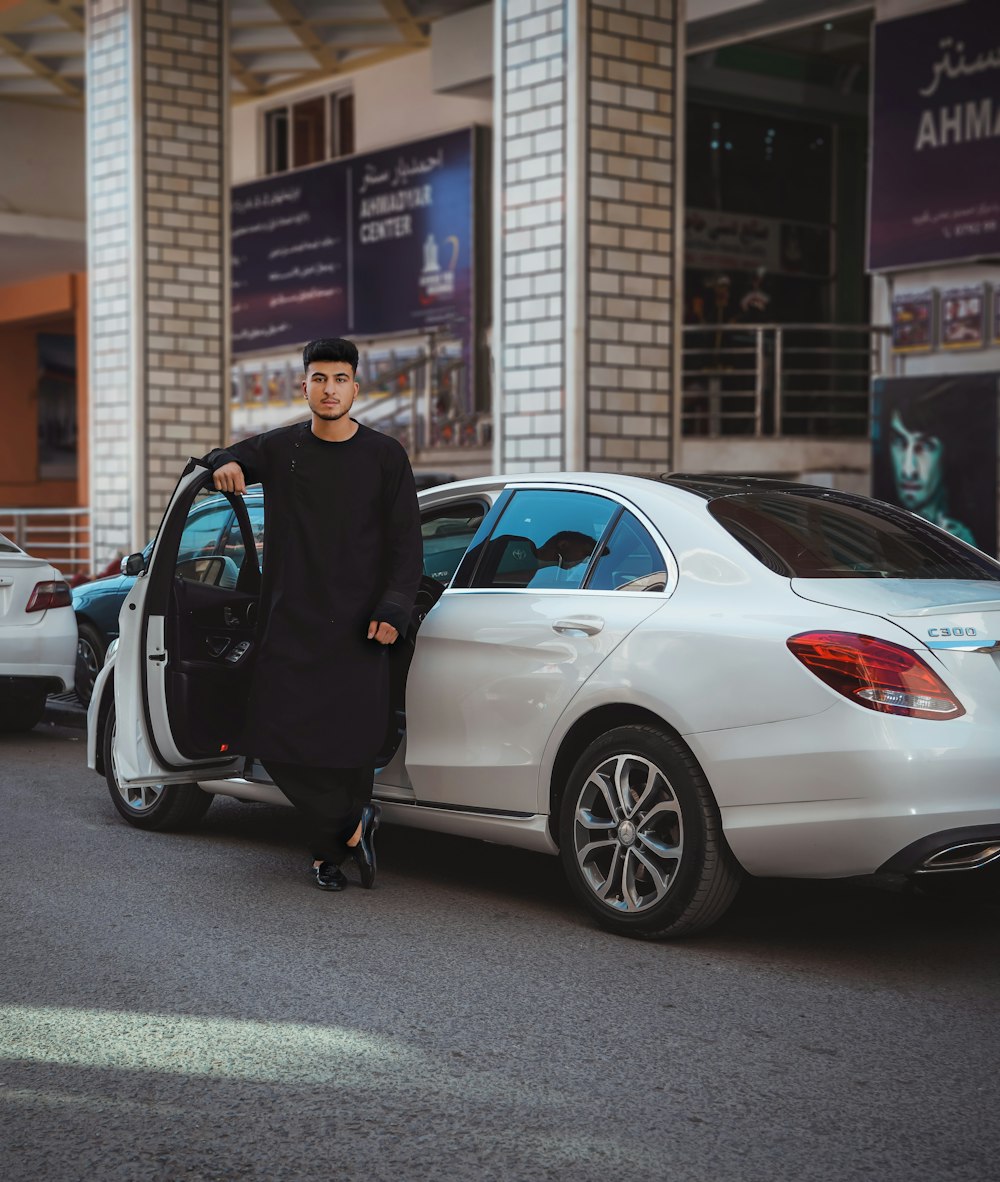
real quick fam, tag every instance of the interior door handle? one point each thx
(579, 626)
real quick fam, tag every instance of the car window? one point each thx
(7, 546)
(811, 537)
(232, 545)
(544, 538)
(630, 561)
(447, 531)
(200, 556)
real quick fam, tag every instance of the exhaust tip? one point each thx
(970, 855)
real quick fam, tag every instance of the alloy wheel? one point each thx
(628, 833)
(139, 798)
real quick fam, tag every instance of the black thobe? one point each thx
(342, 547)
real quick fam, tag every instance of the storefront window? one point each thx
(758, 164)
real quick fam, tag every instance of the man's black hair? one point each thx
(330, 349)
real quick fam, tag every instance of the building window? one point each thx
(308, 132)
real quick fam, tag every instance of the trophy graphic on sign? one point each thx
(437, 281)
(431, 264)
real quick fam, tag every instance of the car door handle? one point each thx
(579, 626)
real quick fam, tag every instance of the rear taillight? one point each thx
(877, 674)
(46, 595)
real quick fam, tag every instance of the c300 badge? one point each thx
(942, 632)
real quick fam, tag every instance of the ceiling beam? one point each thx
(37, 67)
(305, 33)
(339, 22)
(402, 18)
(66, 10)
(358, 63)
(38, 100)
(251, 83)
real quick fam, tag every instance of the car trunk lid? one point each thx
(958, 619)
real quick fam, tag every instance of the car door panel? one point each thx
(491, 675)
(208, 673)
(174, 729)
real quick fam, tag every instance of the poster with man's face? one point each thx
(934, 452)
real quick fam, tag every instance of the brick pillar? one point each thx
(157, 234)
(585, 236)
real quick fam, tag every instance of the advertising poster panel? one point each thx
(374, 245)
(913, 322)
(412, 237)
(934, 451)
(963, 318)
(934, 184)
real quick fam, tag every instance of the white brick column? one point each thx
(585, 234)
(158, 250)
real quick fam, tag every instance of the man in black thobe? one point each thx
(342, 564)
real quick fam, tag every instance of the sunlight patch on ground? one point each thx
(272, 1052)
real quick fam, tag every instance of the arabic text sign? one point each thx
(935, 173)
(412, 245)
(714, 240)
(289, 261)
(378, 244)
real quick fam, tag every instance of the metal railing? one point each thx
(60, 536)
(775, 380)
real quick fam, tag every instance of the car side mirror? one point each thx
(134, 564)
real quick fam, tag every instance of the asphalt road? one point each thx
(190, 1007)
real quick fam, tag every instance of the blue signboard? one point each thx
(412, 249)
(289, 260)
(935, 163)
(374, 245)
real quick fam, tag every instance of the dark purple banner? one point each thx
(378, 244)
(289, 259)
(935, 171)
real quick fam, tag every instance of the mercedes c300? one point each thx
(669, 683)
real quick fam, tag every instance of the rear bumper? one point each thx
(42, 651)
(850, 792)
(844, 839)
(27, 686)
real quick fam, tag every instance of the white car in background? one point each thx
(37, 636)
(670, 683)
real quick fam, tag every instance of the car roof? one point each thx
(703, 486)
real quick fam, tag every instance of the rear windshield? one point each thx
(821, 537)
(7, 546)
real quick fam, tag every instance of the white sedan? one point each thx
(37, 636)
(669, 683)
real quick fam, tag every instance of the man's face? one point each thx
(330, 389)
(917, 464)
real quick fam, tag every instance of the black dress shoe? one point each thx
(364, 851)
(328, 876)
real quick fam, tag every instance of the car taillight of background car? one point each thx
(46, 595)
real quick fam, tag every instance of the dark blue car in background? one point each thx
(213, 529)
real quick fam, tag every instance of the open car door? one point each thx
(187, 643)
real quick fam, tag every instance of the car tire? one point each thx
(641, 838)
(90, 650)
(155, 806)
(21, 712)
